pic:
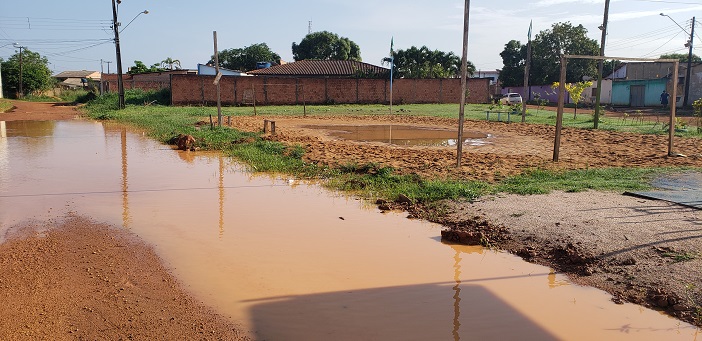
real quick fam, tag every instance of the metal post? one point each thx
(559, 113)
(600, 66)
(464, 72)
(671, 128)
(689, 66)
(120, 85)
(101, 72)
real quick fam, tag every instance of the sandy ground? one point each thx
(643, 251)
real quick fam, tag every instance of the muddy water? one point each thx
(403, 135)
(291, 261)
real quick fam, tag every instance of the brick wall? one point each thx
(235, 90)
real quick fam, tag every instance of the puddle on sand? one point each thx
(276, 256)
(403, 135)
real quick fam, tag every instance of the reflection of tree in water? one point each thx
(30, 128)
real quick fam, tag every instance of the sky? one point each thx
(76, 34)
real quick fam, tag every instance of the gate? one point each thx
(637, 95)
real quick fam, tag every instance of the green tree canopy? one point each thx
(140, 67)
(548, 45)
(563, 38)
(325, 45)
(682, 57)
(36, 75)
(425, 63)
(513, 60)
(245, 59)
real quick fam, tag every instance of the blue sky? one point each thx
(75, 34)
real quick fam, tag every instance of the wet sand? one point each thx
(80, 280)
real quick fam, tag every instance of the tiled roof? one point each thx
(320, 68)
(75, 74)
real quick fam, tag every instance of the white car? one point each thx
(512, 98)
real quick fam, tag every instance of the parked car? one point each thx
(512, 98)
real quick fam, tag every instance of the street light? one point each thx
(115, 27)
(21, 92)
(689, 58)
(140, 13)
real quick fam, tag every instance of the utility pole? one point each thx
(101, 72)
(600, 65)
(217, 78)
(108, 66)
(309, 27)
(120, 84)
(689, 67)
(21, 91)
(464, 75)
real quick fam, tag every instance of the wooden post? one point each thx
(253, 91)
(272, 127)
(265, 126)
(674, 100)
(559, 113)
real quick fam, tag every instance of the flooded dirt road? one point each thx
(291, 261)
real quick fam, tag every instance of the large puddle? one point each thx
(403, 134)
(290, 261)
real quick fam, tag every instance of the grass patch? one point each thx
(681, 256)
(5, 105)
(147, 110)
(605, 179)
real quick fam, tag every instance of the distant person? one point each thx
(664, 99)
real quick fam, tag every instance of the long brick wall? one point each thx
(236, 90)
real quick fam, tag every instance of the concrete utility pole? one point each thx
(464, 75)
(600, 65)
(689, 67)
(1, 81)
(217, 78)
(120, 84)
(21, 90)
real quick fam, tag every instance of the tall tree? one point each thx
(245, 59)
(36, 75)
(325, 45)
(513, 60)
(682, 57)
(170, 63)
(562, 38)
(425, 63)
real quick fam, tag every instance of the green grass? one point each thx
(146, 110)
(5, 105)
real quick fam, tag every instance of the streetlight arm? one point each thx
(130, 22)
(676, 23)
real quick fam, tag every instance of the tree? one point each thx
(326, 46)
(513, 60)
(169, 63)
(562, 38)
(36, 75)
(682, 57)
(576, 91)
(245, 59)
(140, 67)
(425, 63)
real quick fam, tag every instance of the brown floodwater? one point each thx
(289, 260)
(403, 135)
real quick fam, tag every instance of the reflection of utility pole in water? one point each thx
(221, 196)
(126, 220)
(4, 151)
(457, 295)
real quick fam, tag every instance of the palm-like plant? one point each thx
(169, 63)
